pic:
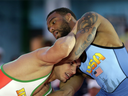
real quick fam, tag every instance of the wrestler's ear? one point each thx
(68, 17)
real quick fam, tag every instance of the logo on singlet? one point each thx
(21, 92)
(93, 62)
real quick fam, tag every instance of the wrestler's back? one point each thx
(27, 67)
(106, 37)
(106, 34)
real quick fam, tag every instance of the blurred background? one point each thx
(23, 22)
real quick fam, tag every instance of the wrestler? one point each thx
(107, 58)
(31, 72)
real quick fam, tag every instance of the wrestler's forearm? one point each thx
(69, 41)
(70, 87)
(86, 30)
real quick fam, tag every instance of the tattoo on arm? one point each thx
(87, 21)
(85, 24)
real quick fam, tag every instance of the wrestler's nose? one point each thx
(73, 70)
(51, 29)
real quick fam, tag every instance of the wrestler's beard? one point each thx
(64, 29)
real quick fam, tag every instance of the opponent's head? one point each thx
(60, 21)
(63, 72)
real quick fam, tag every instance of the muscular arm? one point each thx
(85, 30)
(61, 49)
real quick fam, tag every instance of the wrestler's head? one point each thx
(63, 72)
(60, 22)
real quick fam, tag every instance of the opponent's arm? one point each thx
(85, 30)
(61, 49)
(70, 87)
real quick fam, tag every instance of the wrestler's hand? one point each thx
(74, 30)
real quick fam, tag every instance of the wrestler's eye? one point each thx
(54, 22)
(71, 63)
